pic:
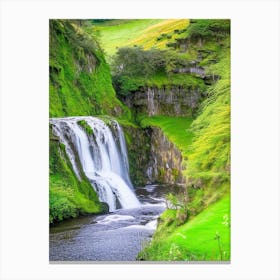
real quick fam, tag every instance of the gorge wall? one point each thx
(170, 100)
(152, 157)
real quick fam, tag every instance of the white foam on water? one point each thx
(115, 218)
(152, 224)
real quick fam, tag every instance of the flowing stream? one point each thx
(118, 236)
(100, 150)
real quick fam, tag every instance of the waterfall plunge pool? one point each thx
(117, 236)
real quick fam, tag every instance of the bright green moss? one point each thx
(177, 129)
(68, 197)
(80, 79)
(86, 127)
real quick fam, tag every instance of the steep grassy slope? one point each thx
(80, 79)
(205, 237)
(147, 33)
(80, 84)
(177, 129)
(208, 170)
(205, 233)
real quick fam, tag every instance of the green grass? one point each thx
(160, 80)
(210, 150)
(158, 35)
(208, 165)
(175, 128)
(141, 32)
(68, 197)
(79, 74)
(187, 81)
(205, 237)
(121, 32)
(206, 234)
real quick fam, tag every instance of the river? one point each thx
(117, 236)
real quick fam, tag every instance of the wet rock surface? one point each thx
(171, 101)
(153, 158)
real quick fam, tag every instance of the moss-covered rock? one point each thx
(68, 196)
(152, 157)
(139, 146)
(166, 162)
(169, 101)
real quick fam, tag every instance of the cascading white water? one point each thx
(104, 162)
(124, 154)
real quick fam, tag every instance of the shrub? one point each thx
(133, 67)
(61, 208)
(208, 27)
(135, 61)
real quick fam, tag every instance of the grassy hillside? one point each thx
(165, 54)
(177, 129)
(80, 79)
(208, 170)
(205, 237)
(200, 228)
(80, 84)
(147, 33)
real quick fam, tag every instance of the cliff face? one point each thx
(78, 73)
(152, 157)
(165, 163)
(170, 101)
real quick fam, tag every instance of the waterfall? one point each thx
(123, 154)
(151, 102)
(102, 155)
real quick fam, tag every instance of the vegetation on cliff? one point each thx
(177, 129)
(135, 67)
(205, 233)
(80, 84)
(68, 197)
(80, 79)
(209, 158)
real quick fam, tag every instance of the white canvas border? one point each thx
(24, 138)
